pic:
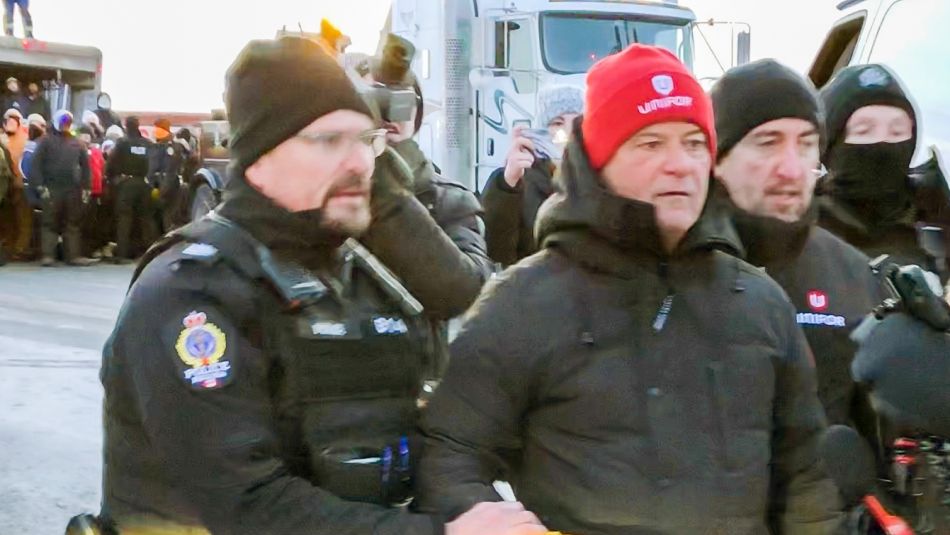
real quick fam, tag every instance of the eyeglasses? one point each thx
(339, 143)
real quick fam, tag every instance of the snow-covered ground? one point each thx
(53, 323)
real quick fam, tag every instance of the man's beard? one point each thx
(354, 221)
(353, 225)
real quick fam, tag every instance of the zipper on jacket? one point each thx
(667, 305)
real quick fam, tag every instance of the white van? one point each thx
(911, 37)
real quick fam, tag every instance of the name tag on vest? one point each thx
(328, 328)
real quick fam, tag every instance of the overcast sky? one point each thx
(171, 55)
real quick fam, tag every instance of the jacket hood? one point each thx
(582, 209)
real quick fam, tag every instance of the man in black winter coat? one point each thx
(633, 377)
(770, 127)
(515, 192)
(60, 173)
(264, 374)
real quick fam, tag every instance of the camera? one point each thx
(394, 105)
(393, 91)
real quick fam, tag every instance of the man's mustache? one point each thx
(349, 182)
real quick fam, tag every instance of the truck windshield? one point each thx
(572, 43)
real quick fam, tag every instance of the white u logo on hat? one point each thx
(663, 83)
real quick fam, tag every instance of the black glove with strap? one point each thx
(904, 353)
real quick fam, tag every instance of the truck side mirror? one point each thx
(743, 48)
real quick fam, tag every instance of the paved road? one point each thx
(53, 323)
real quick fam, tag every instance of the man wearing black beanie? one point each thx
(870, 198)
(771, 128)
(265, 372)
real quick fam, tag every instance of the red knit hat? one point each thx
(639, 87)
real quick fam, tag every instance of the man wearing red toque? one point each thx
(632, 377)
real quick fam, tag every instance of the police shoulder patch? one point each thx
(201, 346)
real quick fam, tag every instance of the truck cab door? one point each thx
(838, 49)
(505, 92)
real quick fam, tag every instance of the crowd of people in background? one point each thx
(79, 192)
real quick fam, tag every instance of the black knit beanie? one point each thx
(856, 87)
(275, 88)
(132, 127)
(756, 93)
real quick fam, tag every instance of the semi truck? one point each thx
(481, 63)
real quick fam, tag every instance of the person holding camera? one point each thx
(514, 193)
(265, 371)
(426, 229)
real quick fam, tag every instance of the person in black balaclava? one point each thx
(868, 196)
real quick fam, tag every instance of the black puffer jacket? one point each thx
(625, 391)
(832, 288)
(60, 163)
(511, 213)
(898, 239)
(428, 231)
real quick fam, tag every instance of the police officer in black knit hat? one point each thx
(264, 374)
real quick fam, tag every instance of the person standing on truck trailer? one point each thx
(13, 98)
(634, 376)
(264, 373)
(8, 12)
(165, 160)
(60, 173)
(34, 102)
(514, 193)
(127, 171)
(870, 200)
